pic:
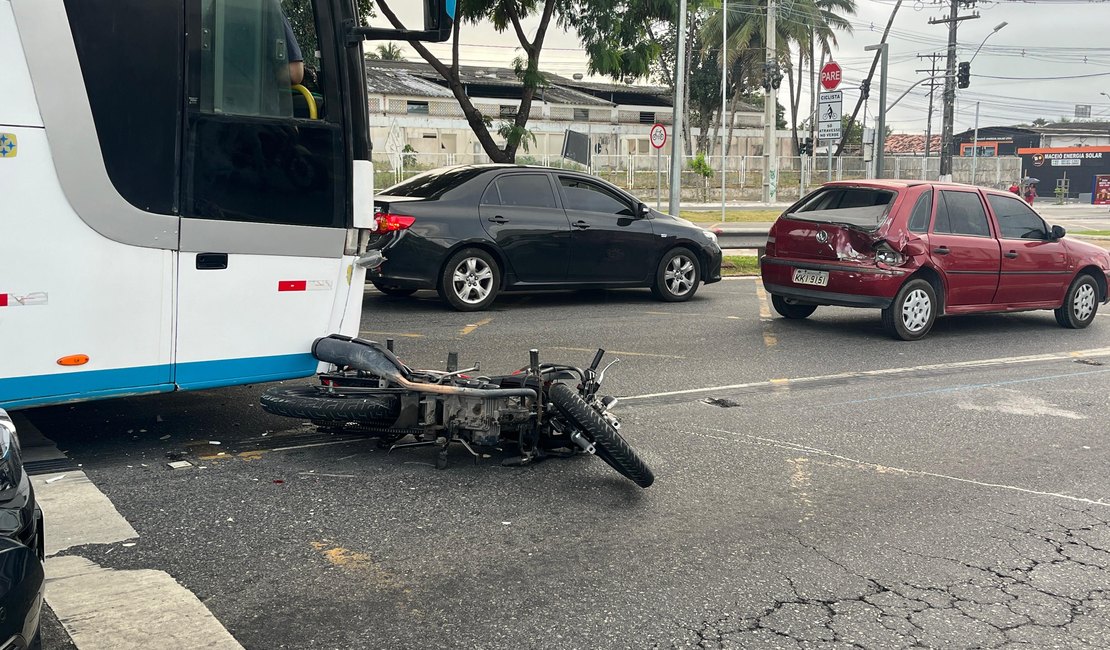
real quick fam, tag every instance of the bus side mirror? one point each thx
(439, 18)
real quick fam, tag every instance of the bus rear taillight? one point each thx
(387, 222)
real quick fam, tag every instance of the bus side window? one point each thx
(246, 53)
(253, 153)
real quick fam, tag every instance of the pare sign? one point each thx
(831, 75)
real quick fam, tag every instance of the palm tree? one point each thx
(804, 25)
(387, 52)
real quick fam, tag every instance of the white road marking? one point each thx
(979, 363)
(77, 513)
(105, 609)
(795, 447)
(1015, 403)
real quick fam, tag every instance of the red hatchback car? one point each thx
(917, 250)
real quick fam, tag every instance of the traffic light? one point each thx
(963, 76)
(805, 146)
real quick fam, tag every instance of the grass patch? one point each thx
(1089, 233)
(732, 265)
(731, 216)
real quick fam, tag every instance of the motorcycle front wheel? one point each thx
(609, 446)
(311, 403)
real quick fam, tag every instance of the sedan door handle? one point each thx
(1011, 255)
(941, 250)
(581, 225)
(498, 219)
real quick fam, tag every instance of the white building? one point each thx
(410, 104)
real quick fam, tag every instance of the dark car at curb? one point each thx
(22, 580)
(471, 232)
(919, 250)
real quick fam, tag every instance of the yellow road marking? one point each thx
(627, 354)
(406, 335)
(769, 338)
(473, 326)
(764, 306)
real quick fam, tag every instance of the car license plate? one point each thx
(816, 278)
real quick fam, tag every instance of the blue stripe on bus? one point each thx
(39, 390)
(230, 372)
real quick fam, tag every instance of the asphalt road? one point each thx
(818, 485)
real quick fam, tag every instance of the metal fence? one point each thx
(743, 174)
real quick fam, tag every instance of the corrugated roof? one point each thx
(421, 79)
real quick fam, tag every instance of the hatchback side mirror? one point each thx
(1058, 232)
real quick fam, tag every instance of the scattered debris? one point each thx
(179, 464)
(165, 437)
(142, 430)
(128, 544)
(1088, 362)
(279, 481)
(56, 478)
(214, 442)
(721, 402)
(506, 523)
(158, 418)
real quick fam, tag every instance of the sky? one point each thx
(1051, 55)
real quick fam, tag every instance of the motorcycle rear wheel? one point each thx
(309, 403)
(609, 446)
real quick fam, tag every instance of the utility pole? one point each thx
(770, 115)
(932, 86)
(674, 204)
(880, 130)
(724, 95)
(953, 21)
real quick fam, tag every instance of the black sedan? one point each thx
(21, 547)
(470, 232)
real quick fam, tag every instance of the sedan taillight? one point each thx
(387, 222)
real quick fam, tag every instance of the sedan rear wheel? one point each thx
(470, 280)
(1080, 305)
(912, 313)
(678, 275)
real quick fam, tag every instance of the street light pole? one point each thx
(674, 204)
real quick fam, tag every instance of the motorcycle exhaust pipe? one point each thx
(371, 357)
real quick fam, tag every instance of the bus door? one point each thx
(261, 270)
(87, 194)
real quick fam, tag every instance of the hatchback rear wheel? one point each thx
(912, 313)
(1080, 305)
(787, 308)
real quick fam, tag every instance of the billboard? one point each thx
(1100, 195)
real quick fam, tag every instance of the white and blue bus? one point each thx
(182, 200)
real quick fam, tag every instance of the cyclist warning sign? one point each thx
(829, 109)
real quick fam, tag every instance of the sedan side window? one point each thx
(965, 215)
(526, 190)
(591, 197)
(1016, 220)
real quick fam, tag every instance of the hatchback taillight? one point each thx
(387, 222)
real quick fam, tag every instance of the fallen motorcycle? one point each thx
(546, 410)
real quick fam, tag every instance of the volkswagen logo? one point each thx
(822, 237)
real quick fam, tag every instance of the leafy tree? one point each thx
(301, 19)
(505, 15)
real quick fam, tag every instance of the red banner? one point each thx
(1101, 194)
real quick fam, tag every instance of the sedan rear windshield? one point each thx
(433, 184)
(860, 207)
